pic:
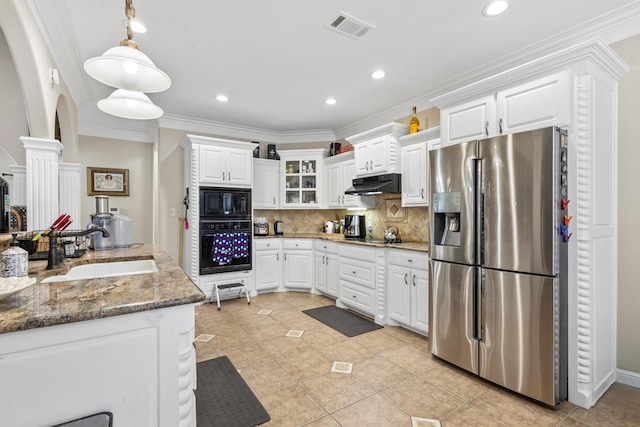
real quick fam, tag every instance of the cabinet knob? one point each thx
(410, 260)
(354, 273)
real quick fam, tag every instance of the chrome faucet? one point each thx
(55, 258)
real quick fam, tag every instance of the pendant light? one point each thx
(125, 67)
(130, 104)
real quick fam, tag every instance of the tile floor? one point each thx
(393, 377)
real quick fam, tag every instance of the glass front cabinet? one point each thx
(302, 177)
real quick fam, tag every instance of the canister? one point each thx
(15, 260)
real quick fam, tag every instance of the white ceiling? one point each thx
(277, 62)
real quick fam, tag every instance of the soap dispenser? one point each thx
(15, 260)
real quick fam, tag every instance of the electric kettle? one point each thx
(392, 235)
(278, 228)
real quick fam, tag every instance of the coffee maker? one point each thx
(355, 226)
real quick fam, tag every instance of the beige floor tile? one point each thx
(468, 416)
(407, 337)
(267, 378)
(285, 347)
(512, 409)
(463, 385)
(570, 422)
(380, 373)
(409, 357)
(619, 406)
(327, 421)
(291, 407)
(323, 337)
(265, 330)
(335, 391)
(248, 355)
(306, 364)
(346, 351)
(226, 342)
(378, 341)
(373, 411)
(419, 398)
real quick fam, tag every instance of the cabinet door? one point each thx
(320, 271)
(268, 266)
(468, 121)
(212, 165)
(399, 294)
(414, 175)
(266, 187)
(239, 167)
(298, 269)
(335, 190)
(534, 105)
(380, 155)
(331, 275)
(362, 158)
(420, 300)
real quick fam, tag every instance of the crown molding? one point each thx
(100, 131)
(230, 130)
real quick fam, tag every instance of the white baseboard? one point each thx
(628, 378)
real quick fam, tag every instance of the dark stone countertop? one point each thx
(49, 304)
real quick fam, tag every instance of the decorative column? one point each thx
(70, 181)
(18, 194)
(43, 158)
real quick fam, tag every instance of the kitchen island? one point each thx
(122, 345)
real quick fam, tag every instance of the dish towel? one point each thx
(241, 245)
(222, 250)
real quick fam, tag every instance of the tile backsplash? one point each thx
(412, 223)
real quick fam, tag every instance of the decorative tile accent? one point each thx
(294, 333)
(204, 337)
(342, 367)
(265, 311)
(424, 422)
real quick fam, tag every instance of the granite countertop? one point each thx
(336, 237)
(48, 304)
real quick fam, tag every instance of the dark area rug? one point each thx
(341, 320)
(224, 399)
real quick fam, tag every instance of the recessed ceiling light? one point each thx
(330, 101)
(222, 98)
(495, 8)
(378, 74)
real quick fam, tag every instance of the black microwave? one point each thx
(229, 203)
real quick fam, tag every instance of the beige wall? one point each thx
(138, 158)
(628, 208)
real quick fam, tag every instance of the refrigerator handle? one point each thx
(478, 330)
(478, 225)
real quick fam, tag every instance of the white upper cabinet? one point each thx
(536, 104)
(216, 161)
(266, 184)
(375, 151)
(415, 166)
(340, 171)
(302, 176)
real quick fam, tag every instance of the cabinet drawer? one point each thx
(358, 252)
(358, 297)
(297, 244)
(411, 259)
(265, 244)
(359, 272)
(326, 246)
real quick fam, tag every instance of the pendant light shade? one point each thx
(125, 67)
(130, 104)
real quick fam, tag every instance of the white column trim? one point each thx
(71, 186)
(18, 188)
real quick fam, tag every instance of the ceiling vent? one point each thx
(350, 26)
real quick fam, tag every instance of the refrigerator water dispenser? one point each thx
(446, 210)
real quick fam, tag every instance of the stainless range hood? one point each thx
(378, 184)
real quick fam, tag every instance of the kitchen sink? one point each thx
(106, 269)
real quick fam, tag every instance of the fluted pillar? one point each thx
(43, 159)
(18, 195)
(70, 199)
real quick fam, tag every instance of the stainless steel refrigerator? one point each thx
(499, 231)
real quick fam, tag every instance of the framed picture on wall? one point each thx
(107, 182)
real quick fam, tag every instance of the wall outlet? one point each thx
(369, 226)
(173, 211)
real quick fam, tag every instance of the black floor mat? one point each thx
(224, 399)
(343, 321)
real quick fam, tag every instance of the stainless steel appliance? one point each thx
(278, 228)
(497, 297)
(378, 184)
(260, 226)
(225, 230)
(355, 226)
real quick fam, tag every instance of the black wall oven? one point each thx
(225, 230)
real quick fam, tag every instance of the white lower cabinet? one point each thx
(298, 264)
(326, 268)
(268, 264)
(408, 289)
(357, 273)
